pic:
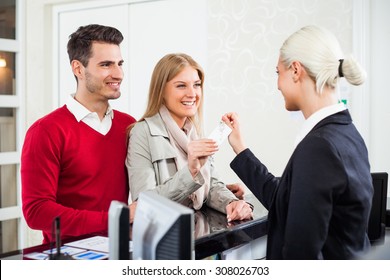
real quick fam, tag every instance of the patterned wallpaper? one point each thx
(243, 42)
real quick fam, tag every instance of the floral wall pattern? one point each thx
(244, 38)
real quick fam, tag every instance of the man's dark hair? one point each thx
(80, 42)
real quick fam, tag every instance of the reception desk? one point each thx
(220, 236)
(213, 234)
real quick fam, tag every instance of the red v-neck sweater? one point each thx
(70, 170)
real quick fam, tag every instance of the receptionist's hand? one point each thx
(235, 138)
(237, 189)
(238, 210)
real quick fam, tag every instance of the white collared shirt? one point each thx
(90, 118)
(315, 118)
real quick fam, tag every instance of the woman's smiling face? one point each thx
(182, 95)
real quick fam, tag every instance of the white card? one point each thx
(220, 133)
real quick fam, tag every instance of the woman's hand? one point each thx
(132, 208)
(237, 189)
(235, 138)
(198, 152)
(238, 210)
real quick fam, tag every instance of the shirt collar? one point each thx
(80, 112)
(316, 117)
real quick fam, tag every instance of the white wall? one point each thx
(243, 42)
(379, 90)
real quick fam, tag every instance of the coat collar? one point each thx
(342, 117)
(157, 126)
(159, 149)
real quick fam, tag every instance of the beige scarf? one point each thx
(179, 140)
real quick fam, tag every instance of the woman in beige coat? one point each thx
(166, 153)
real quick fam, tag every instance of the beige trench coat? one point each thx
(151, 167)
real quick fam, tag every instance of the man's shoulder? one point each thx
(124, 116)
(57, 122)
(58, 116)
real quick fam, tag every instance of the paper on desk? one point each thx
(67, 250)
(37, 256)
(95, 243)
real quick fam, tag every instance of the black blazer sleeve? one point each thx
(255, 176)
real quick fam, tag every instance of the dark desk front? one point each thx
(213, 234)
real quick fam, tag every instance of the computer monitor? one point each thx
(377, 221)
(118, 231)
(162, 229)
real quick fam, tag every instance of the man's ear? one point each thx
(77, 69)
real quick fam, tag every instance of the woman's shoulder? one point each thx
(139, 128)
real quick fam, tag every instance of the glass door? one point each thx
(10, 213)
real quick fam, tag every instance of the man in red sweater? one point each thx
(73, 159)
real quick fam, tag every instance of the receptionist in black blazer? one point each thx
(319, 208)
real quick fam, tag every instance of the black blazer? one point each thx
(320, 206)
